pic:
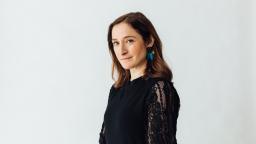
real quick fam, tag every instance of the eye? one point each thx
(115, 43)
(130, 41)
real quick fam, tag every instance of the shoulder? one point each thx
(111, 92)
(164, 93)
(161, 86)
(160, 83)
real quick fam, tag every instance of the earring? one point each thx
(150, 55)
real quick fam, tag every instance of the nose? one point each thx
(123, 49)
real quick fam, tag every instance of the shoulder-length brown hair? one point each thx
(156, 68)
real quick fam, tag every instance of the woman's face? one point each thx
(129, 46)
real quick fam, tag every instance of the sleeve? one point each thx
(162, 112)
(102, 134)
(102, 139)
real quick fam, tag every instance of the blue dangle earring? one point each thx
(150, 58)
(150, 55)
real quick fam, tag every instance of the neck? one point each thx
(138, 71)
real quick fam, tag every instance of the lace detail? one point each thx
(102, 135)
(161, 118)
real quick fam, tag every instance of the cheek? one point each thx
(116, 52)
(140, 51)
(143, 54)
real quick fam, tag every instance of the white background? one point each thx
(55, 68)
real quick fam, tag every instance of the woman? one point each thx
(143, 104)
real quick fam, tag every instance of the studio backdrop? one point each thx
(55, 68)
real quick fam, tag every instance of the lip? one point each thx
(126, 58)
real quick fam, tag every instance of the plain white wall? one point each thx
(55, 68)
(253, 70)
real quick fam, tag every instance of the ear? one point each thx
(151, 42)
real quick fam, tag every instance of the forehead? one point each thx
(123, 30)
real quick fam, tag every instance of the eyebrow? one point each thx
(125, 37)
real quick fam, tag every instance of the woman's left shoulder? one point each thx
(160, 82)
(162, 89)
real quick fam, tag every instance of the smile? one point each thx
(126, 58)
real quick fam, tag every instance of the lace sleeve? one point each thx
(162, 112)
(102, 135)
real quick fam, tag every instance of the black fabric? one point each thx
(142, 111)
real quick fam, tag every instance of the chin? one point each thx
(126, 66)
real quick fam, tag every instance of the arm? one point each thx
(162, 111)
(102, 139)
(102, 135)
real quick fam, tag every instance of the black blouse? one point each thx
(142, 111)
